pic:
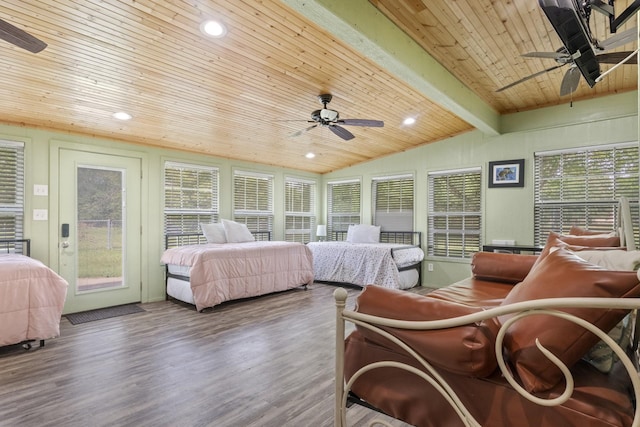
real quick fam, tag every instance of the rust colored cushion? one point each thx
(562, 274)
(507, 268)
(581, 231)
(467, 350)
(576, 242)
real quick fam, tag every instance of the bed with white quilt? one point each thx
(31, 296)
(228, 264)
(368, 256)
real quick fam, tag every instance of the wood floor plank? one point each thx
(261, 362)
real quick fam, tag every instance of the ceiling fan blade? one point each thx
(20, 38)
(341, 132)
(619, 39)
(549, 55)
(362, 122)
(539, 73)
(616, 57)
(570, 81)
(300, 132)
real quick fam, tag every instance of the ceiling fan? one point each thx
(331, 119)
(20, 38)
(572, 76)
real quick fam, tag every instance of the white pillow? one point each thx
(616, 260)
(237, 232)
(360, 233)
(214, 233)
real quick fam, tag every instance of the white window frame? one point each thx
(206, 207)
(340, 220)
(257, 214)
(565, 196)
(300, 208)
(11, 190)
(393, 214)
(455, 233)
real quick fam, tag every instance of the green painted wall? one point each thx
(508, 212)
(41, 168)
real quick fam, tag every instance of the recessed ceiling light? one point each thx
(213, 28)
(309, 155)
(409, 121)
(121, 115)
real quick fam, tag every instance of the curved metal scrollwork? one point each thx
(520, 310)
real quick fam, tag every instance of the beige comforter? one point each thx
(224, 272)
(31, 300)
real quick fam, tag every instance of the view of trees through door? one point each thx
(100, 208)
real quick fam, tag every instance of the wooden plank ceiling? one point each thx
(244, 95)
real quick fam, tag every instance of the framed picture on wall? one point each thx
(506, 173)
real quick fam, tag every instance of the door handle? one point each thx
(64, 244)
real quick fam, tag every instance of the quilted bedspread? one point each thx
(228, 271)
(31, 300)
(362, 263)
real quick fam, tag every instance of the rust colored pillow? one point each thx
(581, 231)
(498, 267)
(467, 350)
(561, 240)
(561, 274)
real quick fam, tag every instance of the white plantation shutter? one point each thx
(300, 207)
(455, 214)
(253, 200)
(582, 187)
(393, 202)
(343, 205)
(190, 197)
(11, 190)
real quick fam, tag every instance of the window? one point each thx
(343, 205)
(455, 216)
(582, 187)
(300, 207)
(393, 202)
(253, 200)
(11, 190)
(190, 197)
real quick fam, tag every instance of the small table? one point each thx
(514, 249)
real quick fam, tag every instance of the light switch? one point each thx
(40, 214)
(40, 190)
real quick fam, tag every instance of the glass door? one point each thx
(99, 229)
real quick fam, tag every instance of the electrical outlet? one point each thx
(430, 267)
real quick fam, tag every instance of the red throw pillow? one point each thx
(561, 274)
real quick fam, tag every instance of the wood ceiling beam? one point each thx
(363, 27)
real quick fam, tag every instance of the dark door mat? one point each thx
(103, 313)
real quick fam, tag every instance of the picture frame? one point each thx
(506, 173)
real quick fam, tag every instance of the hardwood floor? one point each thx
(266, 361)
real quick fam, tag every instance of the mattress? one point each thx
(224, 272)
(366, 263)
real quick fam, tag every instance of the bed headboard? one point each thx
(15, 246)
(405, 237)
(174, 240)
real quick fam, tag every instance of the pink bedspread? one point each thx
(31, 300)
(224, 272)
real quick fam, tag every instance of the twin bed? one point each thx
(208, 274)
(392, 260)
(31, 296)
(205, 271)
